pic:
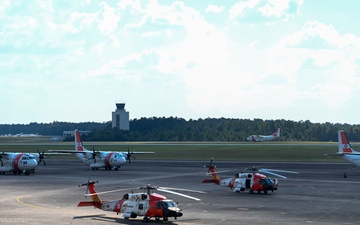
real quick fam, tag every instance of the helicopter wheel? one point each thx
(166, 219)
(265, 192)
(146, 219)
(251, 192)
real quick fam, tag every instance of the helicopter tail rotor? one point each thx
(215, 178)
(210, 166)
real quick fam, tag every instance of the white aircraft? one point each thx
(258, 137)
(99, 159)
(346, 151)
(18, 163)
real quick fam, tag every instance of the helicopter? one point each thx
(146, 204)
(252, 180)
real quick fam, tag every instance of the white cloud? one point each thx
(333, 54)
(109, 21)
(214, 8)
(252, 9)
(175, 54)
(238, 8)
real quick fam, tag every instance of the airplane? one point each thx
(18, 163)
(251, 181)
(346, 151)
(257, 137)
(99, 159)
(146, 204)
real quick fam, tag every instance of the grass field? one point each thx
(272, 151)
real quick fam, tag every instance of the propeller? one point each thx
(93, 155)
(129, 155)
(41, 157)
(1, 157)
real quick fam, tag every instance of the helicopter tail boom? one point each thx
(215, 177)
(95, 204)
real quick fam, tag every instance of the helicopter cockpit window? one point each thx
(171, 204)
(262, 181)
(269, 181)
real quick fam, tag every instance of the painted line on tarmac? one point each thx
(18, 199)
(30, 205)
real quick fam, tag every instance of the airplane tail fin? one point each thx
(277, 132)
(215, 178)
(344, 144)
(95, 199)
(78, 143)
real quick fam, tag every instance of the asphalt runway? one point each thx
(318, 195)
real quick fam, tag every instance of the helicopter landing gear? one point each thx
(146, 219)
(165, 219)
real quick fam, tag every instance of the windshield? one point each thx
(269, 181)
(170, 204)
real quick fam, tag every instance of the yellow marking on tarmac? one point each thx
(30, 205)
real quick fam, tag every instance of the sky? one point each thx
(72, 61)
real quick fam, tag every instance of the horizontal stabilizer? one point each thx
(95, 204)
(212, 181)
(85, 204)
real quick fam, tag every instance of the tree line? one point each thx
(179, 129)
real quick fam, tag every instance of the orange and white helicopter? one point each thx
(146, 204)
(251, 180)
(18, 163)
(99, 159)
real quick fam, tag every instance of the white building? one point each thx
(120, 118)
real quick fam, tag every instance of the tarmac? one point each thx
(319, 194)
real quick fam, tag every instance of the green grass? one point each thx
(273, 151)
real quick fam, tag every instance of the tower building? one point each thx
(120, 118)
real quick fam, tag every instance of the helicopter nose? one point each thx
(270, 187)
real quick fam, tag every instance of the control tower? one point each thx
(120, 118)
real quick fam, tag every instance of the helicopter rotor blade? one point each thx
(275, 174)
(105, 192)
(282, 171)
(182, 189)
(177, 193)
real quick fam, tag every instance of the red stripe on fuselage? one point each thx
(107, 159)
(16, 161)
